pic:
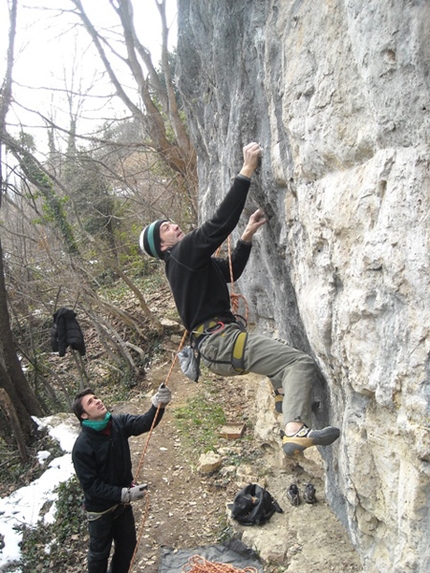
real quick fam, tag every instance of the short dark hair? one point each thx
(77, 402)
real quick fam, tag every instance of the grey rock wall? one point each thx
(337, 92)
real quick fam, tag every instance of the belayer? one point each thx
(198, 281)
(102, 461)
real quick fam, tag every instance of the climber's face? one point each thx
(93, 407)
(170, 234)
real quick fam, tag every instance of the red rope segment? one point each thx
(142, 459)
(142, 456)
(198, 564)
(141, 530)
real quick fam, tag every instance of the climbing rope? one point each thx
(198, 564)
(141, 529)
(142, 458)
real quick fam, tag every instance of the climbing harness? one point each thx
(212, 326)
(278, 394)
(94, 515)
(238, 356)
(216, 326)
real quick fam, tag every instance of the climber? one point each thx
(199, 280)
(101, 456)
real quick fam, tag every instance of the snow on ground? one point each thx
(23, 505)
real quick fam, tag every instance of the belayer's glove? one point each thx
(129, 494)
(162, 397)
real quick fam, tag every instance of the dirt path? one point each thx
(188, 510)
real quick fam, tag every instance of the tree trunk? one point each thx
(12, 378)
(7, 405)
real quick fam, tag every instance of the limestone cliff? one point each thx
(337, 92)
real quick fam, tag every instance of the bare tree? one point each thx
(156, 90)
(22, 399)
(18, 398)
(73, 209)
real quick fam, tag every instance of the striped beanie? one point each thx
(149, 240)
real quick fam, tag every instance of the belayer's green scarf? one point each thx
(98, 425)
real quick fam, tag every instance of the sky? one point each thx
(24, 504)
(53, 51)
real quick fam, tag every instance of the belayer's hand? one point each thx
(162, 397)
(129, 494)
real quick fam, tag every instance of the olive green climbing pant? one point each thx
(286, 367)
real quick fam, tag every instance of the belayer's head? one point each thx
(87, 406)
(158, 237)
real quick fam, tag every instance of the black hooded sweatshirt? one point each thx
(198, 279)
(66, 332)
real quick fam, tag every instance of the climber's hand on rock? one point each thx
(251, 159)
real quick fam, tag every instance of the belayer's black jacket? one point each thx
(198, 280)
(102, 460)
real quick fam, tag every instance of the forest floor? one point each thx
(186, 509)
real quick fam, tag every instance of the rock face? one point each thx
(337, 92)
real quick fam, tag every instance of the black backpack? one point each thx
(254, 505)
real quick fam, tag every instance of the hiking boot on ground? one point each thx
(306, 437)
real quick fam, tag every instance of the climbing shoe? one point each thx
(309, 493)
(306, 437)
(293, 494)
(279, 398)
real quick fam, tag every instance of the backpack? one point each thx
(254, 505)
